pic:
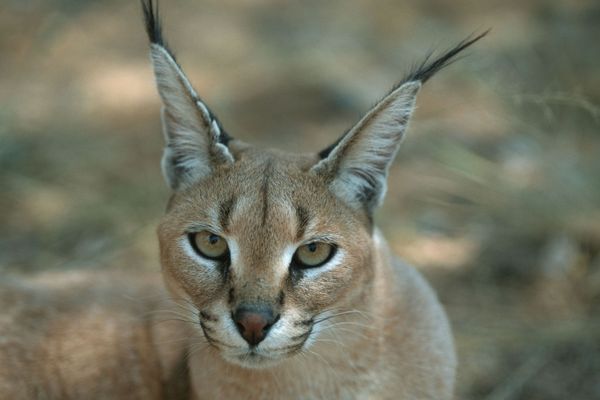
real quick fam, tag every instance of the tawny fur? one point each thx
(87, 335)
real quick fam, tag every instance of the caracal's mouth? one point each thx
(264, 354)
(254, 359)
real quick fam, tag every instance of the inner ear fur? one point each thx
(357, 167)
(195, 140)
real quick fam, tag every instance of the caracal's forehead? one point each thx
(268, 196)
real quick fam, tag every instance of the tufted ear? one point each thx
(357, 165)
(195, 140)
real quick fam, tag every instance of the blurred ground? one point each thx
(495, 194)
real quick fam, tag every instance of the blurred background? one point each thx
(495, 194)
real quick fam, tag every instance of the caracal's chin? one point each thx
(253, 358)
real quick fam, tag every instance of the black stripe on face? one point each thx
(208, 316)
(225, 212)
(265, 190)
(303, 218)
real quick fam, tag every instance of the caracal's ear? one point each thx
(195, 140)
(356, 166)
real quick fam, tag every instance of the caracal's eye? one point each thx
(313, 255)
(209, 245)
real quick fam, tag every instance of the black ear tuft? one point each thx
(153, 25)
(427, 68)
(152, 21)
(421, 72)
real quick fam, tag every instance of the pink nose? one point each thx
(254, 322)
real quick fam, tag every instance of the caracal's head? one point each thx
(264, 246)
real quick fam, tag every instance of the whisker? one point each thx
(351, 323)
(195, 349)
(154, 323)
(172, 341)
(324, 360)
(340, 314)
(159, 312)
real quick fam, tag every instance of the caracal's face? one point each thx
(261, 253)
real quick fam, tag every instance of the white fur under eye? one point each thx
(312, 273)
(286, 258)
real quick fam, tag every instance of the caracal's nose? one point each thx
(253, 322)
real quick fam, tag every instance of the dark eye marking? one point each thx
(303, 218)
(225, 212)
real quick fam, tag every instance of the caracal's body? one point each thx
(278, 284)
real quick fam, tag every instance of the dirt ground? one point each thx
(495, 194)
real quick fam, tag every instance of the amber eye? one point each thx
(313, 255)
(209, 245)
